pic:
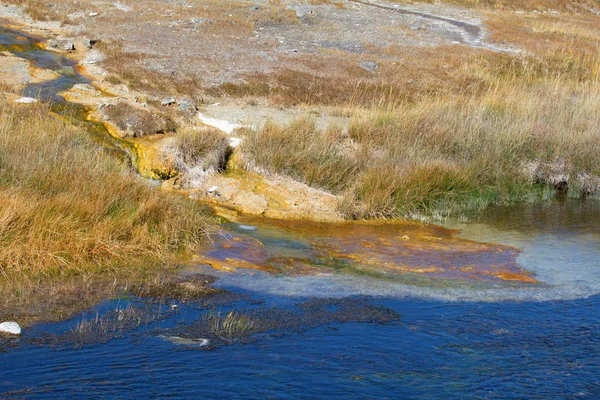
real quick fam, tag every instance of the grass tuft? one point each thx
(231, 327)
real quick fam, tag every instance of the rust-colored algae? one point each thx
(379, 249)
(512, 276)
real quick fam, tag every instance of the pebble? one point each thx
(10, 327)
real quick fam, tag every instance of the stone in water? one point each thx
(10, 327)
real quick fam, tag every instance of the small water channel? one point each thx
(342, 311)
(25, 46)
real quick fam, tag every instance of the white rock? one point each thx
(26, 100)
(168, 101)
(10, 327)
(93, 14)
(93, 57)
(213, 189)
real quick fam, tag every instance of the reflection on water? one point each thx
(560, 241)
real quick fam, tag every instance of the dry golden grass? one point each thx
(448, 129)
(302, 152)
(441, 128)
(69, 208)
(530, 127)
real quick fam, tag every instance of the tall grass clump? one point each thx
(199, 153)
(301, 151)
(208, 148)
(69, 208)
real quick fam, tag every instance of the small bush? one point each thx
(199, 153)
(206, 148)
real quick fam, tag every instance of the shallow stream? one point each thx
(343, 311)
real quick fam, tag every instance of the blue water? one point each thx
(66, 67)
(437, 350)
(493, 345)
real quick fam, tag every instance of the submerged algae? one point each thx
(398, 251)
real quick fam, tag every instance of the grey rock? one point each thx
(202, 21)
(369, 66)
(167, 101)
(60, 45)
(200, 342)
(89, 43)
(187, 105)
(300, 10)
(136, 121)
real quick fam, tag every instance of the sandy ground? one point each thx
(222, 41)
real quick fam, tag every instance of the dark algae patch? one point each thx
(250, 325)
(100, 329)
(200, 323)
